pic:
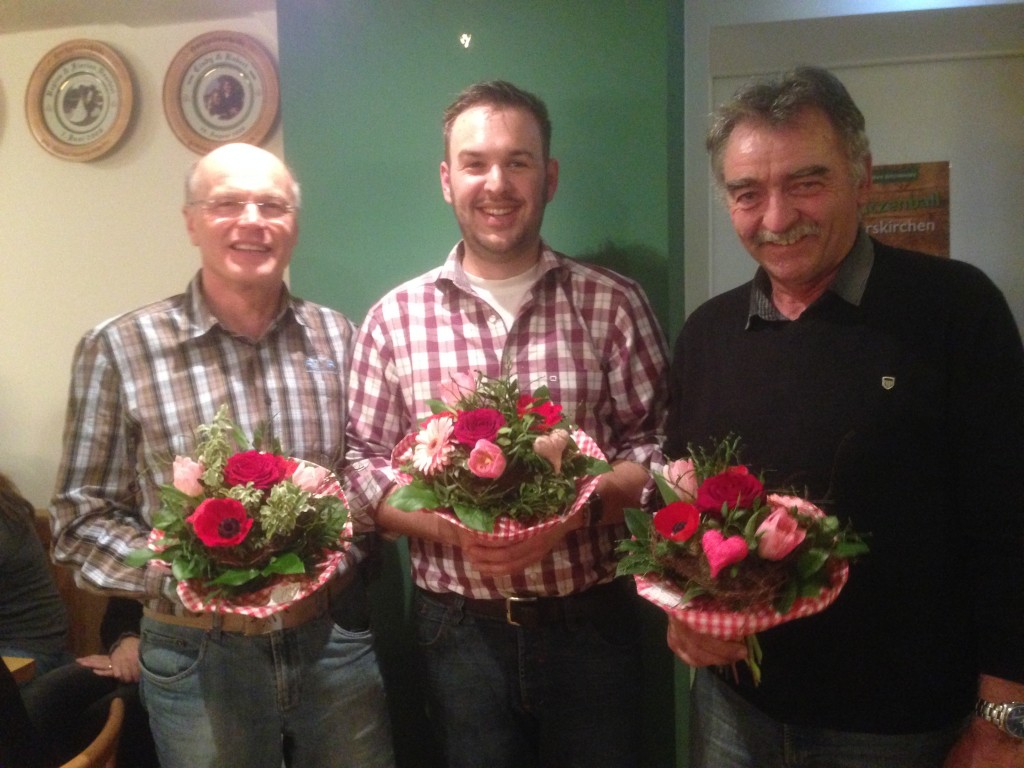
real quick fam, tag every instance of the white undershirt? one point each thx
(507, 295)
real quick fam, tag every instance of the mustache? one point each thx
(788, 237)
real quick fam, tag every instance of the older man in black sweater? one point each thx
(889, 385)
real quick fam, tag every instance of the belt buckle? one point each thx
(514, 600)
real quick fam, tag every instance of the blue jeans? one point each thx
(310, 697)
(726, 730)
(560, 695)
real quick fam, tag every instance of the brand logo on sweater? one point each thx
(888, 382)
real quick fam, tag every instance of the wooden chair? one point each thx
(85, 609)
(102, 752)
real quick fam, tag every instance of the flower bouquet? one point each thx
(500, 462)
(729, 559)
(246, 530)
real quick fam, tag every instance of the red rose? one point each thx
(735, 487)
(261, 469)
(478, 424)
(678, 521)
(221, 522)
(549, 414)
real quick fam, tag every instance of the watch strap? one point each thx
(996, 714)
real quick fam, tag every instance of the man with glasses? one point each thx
(222, 690)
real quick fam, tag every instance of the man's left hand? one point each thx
(502, 558)
(982, 745)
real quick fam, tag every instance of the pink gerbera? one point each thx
(434, 445)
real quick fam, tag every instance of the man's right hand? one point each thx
(493, 557)
(699, 650)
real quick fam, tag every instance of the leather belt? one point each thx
(534, 611)
(296, 615)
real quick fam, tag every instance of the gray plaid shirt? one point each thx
(142, 383)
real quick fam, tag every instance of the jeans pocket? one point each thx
(431, 621)
(352, 634)
(168, 653)
(350, 610)
(616, 624)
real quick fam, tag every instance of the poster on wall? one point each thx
(909, 206)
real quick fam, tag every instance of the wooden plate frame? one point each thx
(79, 100)
(221, 87)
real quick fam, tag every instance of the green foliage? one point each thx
(292, 527)
(803, 572)
(528, 490)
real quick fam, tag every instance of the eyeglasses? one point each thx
(224, 208)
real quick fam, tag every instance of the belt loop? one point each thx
(216, 629)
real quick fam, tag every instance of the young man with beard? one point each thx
(525, 676)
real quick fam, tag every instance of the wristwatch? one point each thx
(1007, 717)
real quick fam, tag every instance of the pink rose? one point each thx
(794, 503)
(681, 476)
(779, 534)
(261, 469)
(486, 460)
(551, 447)
(736, 488)
(221, 522)
(310, 477)
(478, 424)
(459, 385)
(186, 475)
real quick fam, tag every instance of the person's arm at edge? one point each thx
(983, 745)
(94, 528)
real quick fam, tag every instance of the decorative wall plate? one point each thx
(221, 87)
(79, 100)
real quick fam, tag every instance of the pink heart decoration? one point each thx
(551, 447)
(722, 552)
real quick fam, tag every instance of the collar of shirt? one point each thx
(849, 283)
(200, 320)
(453, 272)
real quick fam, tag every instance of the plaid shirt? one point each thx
(585, 332)
(141, 384)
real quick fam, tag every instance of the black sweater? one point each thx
(930, 468)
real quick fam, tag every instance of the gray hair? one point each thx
(776, 103)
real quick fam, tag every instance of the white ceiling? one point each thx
(27, 15)
(746, 49)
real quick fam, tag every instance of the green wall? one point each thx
(363, 85)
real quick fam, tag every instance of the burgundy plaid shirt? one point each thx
(587, 333)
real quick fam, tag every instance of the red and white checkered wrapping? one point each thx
(284, 592)
(704, 617)
(505, 528)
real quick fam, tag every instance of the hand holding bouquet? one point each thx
(246, 530)
(729, 559)
(489, 452)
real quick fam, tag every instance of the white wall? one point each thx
(81, 242)
(963, 110)
(936, 79)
